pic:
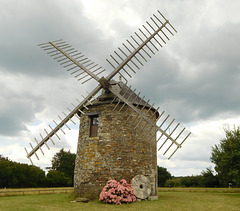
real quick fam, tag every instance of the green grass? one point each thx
(184, 200)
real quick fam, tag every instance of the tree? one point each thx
(64, 162)
(2, 158)
(58, 179)
(190, 181)
(163, 176)
(226, 157)
(173, 182)
(18, 175)
(208, 179)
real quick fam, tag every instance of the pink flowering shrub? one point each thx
(117, 192)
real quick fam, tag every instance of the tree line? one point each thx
(205, 179)
(225, 156)
(19, 175)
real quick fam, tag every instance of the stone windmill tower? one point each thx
(119, 130)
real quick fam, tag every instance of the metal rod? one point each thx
(46, 49)
(89, 64)
(136, 107)
(60, 46)
(167, 21)
(165, 27)
(122, 68)
(122, 96)
(69, 53)
(178, 147)
(172, 142)
(165, 130)
(78, 74)
(34, 152)
(167, 136)
(140, 110)
(58, 57)
(149, 41)
(150, 34)
(134, 55)
(74, 114)
(77, 63)
(145, 114)
(126, 64)
(101, 72)
(54, 133)
(55, 54)
(28, 157)
(127, 99)
(58, 42)
(44, 142)
(86, 75)
(48, 42)
(77, 116)
(133, 101)
(162, 125)
(86, 62)
(50, 138)
(96, 75)
(86, 107)
(143, 46)
(175, 139)
(158, 26)
(156, 129)
(69, 64)
(81, 111)
(60, 128)
(65, 123)
(157, 34)
(88, 101)
(40, 147)
(147, 122)
(65, 62)
(138, 53)
(69, 119)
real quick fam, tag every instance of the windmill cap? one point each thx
(107, 96)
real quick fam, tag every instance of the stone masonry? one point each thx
(118, 152)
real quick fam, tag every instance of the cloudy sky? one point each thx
(194, 78)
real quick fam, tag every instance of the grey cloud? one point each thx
(17, 111)
(208, 86)
(28, 23)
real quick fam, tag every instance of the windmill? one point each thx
(119, 130)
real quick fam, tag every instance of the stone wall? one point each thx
(119, 151)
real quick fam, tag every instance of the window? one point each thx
(94, 120)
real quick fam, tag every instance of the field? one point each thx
(169, 199)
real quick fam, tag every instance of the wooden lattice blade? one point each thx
(131, 57)
(63, 122)
(76, 63)
(132, 100)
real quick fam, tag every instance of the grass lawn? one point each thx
(184, 200)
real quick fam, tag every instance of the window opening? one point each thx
(94, 121)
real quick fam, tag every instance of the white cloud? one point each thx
(194, 156)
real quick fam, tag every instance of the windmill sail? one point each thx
(61, 124)
(76, 63)
(132, 100)
(126, 60)
(143, 44)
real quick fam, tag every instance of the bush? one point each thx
(117, 192)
